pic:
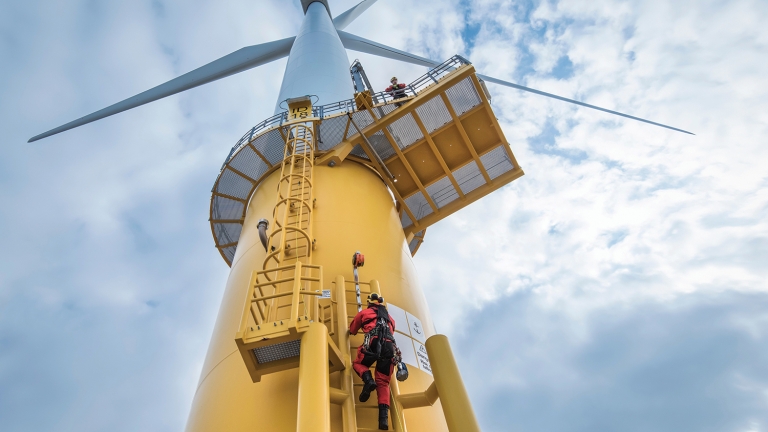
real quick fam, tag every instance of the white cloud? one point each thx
(108, 270)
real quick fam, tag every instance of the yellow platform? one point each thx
(443, 146)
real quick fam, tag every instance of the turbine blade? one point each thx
(342, 21)
(553, 96)
(356, 43)
(236, 62)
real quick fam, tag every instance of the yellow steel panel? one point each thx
(453, 151)
(424, 163)
(405, 184)
(363, 99)
(481, 131)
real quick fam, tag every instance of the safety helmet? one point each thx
(393, 79)
(374, 297)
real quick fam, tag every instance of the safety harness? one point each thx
(398, 91)
(380, 332)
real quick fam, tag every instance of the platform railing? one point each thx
(380, 98)
(278, 312)
(301, 290)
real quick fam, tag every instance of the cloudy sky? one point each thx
(620, 285)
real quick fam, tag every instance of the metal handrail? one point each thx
(266, 308)
(431, 77)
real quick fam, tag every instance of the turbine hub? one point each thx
(305, 4)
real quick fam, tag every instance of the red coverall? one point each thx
(396, 90)
(366, 320)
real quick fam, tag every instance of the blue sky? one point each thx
(620, 285)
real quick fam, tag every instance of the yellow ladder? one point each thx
(351, 384)
(290, 240)
(455, 401)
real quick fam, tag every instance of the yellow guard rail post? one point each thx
(456, 405)
(314, 408)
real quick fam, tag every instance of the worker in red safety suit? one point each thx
(396, 90)
(379, 347)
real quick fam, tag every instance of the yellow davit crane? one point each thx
(339, 168)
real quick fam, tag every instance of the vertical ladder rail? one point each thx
(396, 408)
(349, 417)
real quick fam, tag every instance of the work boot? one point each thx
(383, 417)
(369, 385)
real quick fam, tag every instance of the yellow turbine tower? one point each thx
(339, 168)
(362, 174)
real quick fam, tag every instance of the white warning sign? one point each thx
(410, 338)
(417, 330)
(397, 314)
(422, 357)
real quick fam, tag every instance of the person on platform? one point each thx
(378, 347)
(397, 91)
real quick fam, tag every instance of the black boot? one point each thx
(369, 385)
(383, 417)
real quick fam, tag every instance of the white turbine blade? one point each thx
(553, 96)
(342, 21)
(357, 43)
(238, 61)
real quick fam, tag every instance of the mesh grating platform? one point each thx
(469, 177)
(442, 192)
(405, 131)
(227, 208)
(496, 162)
(359, 152)
(278, 351)
(463, 96)
(434, 114)
(332, 132)
(444, 148)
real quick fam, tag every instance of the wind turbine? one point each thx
(339, 168)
